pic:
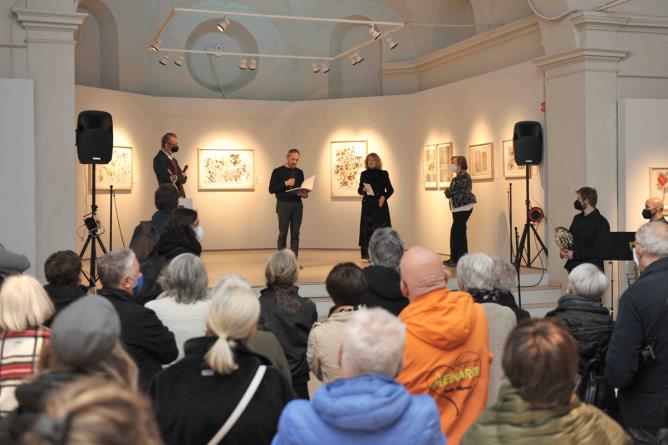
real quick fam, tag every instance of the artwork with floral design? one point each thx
(226, 169)
(658, 183)
(347, 165)
(118, 172)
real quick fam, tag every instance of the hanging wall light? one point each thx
(315, 68)
(155, 46)
(179, 61)
(374, 32)
(252, 65)
(222, 26)
(391, 42)
(358, 59)
(164, 60)
(243, 65)
(324, 68)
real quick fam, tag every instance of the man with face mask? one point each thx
(587, 228)
(642, 320)
(147, 340)
(653, 210)
(165, 165)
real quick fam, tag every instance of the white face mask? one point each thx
(453, 168)
(199, 232)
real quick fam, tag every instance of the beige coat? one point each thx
(501, 320)
(323, 346)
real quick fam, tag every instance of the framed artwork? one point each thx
(220, 169)
(118, 172)
(347, 165)
(430, 167)
(510, 168)
(444, 156)
(658, 184)
(481, 161)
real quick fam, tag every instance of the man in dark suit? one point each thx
(165, 165)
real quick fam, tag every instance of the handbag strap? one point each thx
(241, 406)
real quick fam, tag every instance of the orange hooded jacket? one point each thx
(447, 356)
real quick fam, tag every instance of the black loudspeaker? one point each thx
(528, 143)
(95, 137)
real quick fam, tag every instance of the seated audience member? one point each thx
(62, 271)
(183, 235)
(11, 263)
(385, 252)
(447, 354)
(24, 307)
(345, 285)
(654, 210)
(146, 339)
(194, 397)
(539, 407)
(366, 405)
(184, 303)
(84, 342)
(262, 342)
(505, 282)
(475, 275)
(288, 316)
(642, 320)
(92, 411)
(147, 233)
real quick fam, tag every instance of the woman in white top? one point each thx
(184, 303)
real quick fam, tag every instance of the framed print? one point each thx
(220, 169)
(658, 184)
(347, 165)
(430, 167)
(118, 172)
(510, 168)
(444, 156)
(481, 161)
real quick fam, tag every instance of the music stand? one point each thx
(614, 246)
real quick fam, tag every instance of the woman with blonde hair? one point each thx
(221, 388)
(24, 307)
(375, 188)
(288, 316)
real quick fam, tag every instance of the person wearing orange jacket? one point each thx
(447, 353)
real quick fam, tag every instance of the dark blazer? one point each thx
(291, 330)
(507, 299)
(62, 296)
(383, 289)
(373, 216)
(172, 244)
(642, 391)
(192, 402)
(146, 339)
(586, 231)
(460, 191)
(163, 169)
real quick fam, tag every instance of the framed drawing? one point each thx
(347, 165)
(118, 172)
(220, 169)
(510, 169)
(658, 184)
(444, 156)
(430, 167)
(481, 161)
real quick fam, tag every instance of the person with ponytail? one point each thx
(288, 316)
(194, 397)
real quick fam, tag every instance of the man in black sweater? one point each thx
(642, 320)
(587, 229)
(289, 207)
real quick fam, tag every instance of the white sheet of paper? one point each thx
(369, 190)
(306, 185)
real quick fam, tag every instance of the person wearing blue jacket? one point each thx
(366, 405)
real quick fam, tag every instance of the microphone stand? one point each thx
(111, 215)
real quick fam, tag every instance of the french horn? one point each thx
(563, 238)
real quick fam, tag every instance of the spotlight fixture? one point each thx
(324, 69)
(391, 42)
(222, 26)
(374, 32)
(155, 46)
(315, 68)
(179, 61)
(252, 65)
(164, 60)
(353, 59)
(358, 58)
(243, 64)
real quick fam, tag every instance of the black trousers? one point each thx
(459, 245)
(642, 436)
(301, 390)
(289, 217)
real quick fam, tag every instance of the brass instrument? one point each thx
(563, 238)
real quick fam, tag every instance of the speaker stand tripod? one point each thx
(93, 238)
(529, 228)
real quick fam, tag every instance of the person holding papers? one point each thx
(375, 188)
(285, 183)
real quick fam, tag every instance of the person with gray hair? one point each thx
(505, 281)
(475, 275)
(147, 340)
(184, 302)
(637, 359)
(385, 252)
(366, 405)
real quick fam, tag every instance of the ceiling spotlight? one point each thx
(164, 60)
(243, 64)
(252, 65)
(155, 46)
(353, 59)
(222, 26)
(315, 67)
(324, 69)
(179, 61)
(358, 58)
(374, 32)
(391, 42)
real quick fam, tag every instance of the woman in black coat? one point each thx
(375, 188)
(182, 236)
(462, 201)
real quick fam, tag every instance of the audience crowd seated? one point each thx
(382, 276)
(505, 282)
(147, 233)
(345, 285)
(539, 407)
(62, 270)
(366, 405)
(12, 263)
(475, 275)
(288, 316)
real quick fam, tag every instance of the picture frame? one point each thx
(444, 156)
(118, 172)
(430, 167)
(225, 169)
(510, 168)
(658, 184)
(481, 161)
(347, 163)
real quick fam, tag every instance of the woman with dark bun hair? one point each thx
(462, 201)
(375, 188)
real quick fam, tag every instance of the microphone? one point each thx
(185, 167)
